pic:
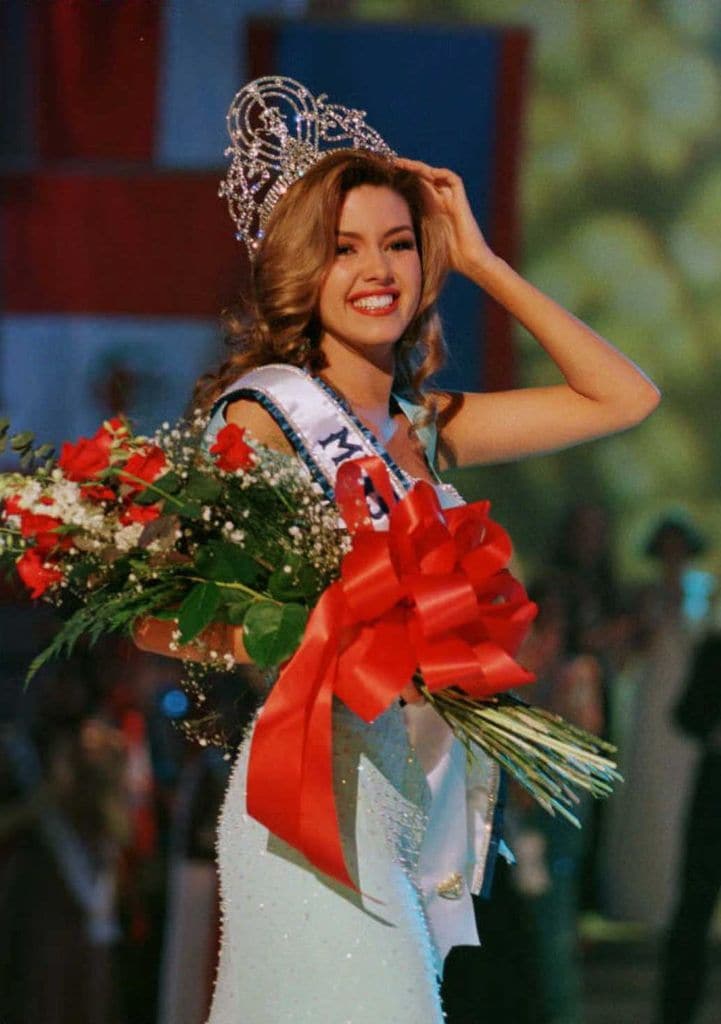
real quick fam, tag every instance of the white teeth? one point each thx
(375, 301)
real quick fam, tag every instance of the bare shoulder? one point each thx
(251, 415)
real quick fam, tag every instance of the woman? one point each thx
(345, 280)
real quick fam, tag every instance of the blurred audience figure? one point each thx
(597, 628)
(684, 964)
(63, 825)
(137, 685)
(582, 571)
(550, 850)
(657, 762)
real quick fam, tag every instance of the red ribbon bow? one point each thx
(430, 593)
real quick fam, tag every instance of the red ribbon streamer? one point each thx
(431, 593)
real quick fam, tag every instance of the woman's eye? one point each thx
(403, 243)
(343, 250)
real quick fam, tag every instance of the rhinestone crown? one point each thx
(278, 130)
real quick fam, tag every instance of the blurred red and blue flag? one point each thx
(118, 254)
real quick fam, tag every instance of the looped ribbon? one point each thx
(432, 593)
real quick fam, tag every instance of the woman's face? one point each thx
(371, 292)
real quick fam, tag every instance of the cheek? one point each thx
(333, 291)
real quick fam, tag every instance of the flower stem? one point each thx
(256, 595)
(121, 473)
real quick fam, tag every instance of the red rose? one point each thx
(12, 507)
(37, 527)
(36, 573)
(42, 529)
(147, 465)
(111, 428)
(139, 514)
(97, 492)
(86, 459)
(230, 449)
(114, 431)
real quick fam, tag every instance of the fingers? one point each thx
(435, 175)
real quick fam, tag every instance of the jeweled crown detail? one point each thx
(278, 130)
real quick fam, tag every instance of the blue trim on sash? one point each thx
(367, 434)
(295, 440)
(287, 428)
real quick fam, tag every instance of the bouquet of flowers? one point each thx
(121, 526)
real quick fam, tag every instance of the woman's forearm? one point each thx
(591, 366)
(217, 641)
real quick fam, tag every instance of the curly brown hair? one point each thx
(280, 323)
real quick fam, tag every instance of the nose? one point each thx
(377, 265)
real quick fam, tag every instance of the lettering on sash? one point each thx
(377, 506)
(346, 449)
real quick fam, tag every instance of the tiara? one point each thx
(278, 130)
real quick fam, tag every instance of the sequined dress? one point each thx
(415, 820)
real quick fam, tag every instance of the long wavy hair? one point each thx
(279, 323)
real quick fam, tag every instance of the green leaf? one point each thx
(170, 483)
(166, 614)
(198, 610)
(190, 510)
(302, 582)
(147, 497)
(284, 586)
(234, 610)
(45, 451)
(202, 487)
(81, 572)
(19, 442)
(310, 582)
(226, 563)
(272, 632)
(4, 425)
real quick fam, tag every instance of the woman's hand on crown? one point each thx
(468, 251)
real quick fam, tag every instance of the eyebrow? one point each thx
(390, 231)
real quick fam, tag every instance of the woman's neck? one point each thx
(365, 385)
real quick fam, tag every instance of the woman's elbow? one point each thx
(636, 404)
(646, 402)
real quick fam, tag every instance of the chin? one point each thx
(377, 333)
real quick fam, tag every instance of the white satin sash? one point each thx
(322, 431)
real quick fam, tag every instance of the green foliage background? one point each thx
(621, 217)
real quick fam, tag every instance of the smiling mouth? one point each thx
(376, 305)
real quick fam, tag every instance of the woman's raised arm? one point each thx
(604, 391)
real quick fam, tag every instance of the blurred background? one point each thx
(587, 134)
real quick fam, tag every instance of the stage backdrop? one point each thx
(119, 254)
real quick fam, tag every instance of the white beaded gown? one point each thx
(415, 819)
